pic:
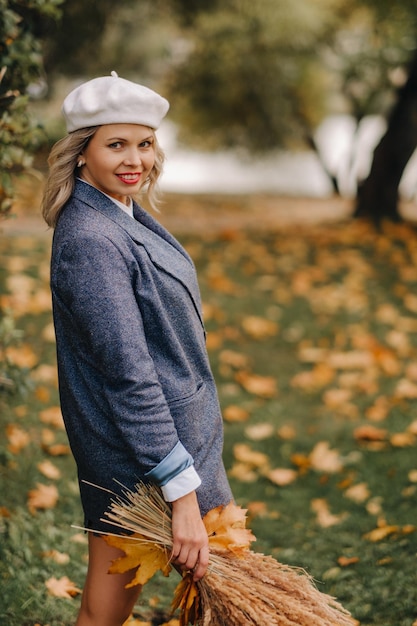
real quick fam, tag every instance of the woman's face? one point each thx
(118, 159)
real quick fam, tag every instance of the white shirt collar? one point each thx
(126, 208)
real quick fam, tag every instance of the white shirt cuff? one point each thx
(185, 482)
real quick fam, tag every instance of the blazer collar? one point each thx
(145, 230)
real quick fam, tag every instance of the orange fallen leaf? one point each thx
(245, 454)
(333, 398)
(58, 557)
(234, 359)
(258, 432)
(52, 416)
(320, 376)
(43, 497)
(4, 512)
(381, 533)
(263, 386)
(49, 470)
(61, 587)
(325, 518)
(233, 413)
(18, 438)
(370, 433)
(243, 472)
(402, 440)
(344, 561)
(405, 388)
(281, 476)
(323, 459)
(57, 449)
(22, 356)
(259, 327)
(146, 557)
(358, 493)
(287, 432)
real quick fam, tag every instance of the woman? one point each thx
(137, 394)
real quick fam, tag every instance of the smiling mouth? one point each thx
(129, 179)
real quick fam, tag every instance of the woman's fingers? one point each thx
(192, 560)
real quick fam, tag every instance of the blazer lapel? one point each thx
(164, 250)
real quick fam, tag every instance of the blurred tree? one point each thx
(378, 195)
(263, 75)
(248, 77)
(95, 38)
(20, 68)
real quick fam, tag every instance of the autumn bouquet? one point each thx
(240, 588)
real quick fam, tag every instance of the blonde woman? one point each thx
(137, 393)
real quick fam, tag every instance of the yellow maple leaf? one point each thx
(61, 587)
(143, 555)
(187, 599)
(226, 529)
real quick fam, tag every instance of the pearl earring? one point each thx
(80, 163)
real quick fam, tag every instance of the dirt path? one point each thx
(204, 213)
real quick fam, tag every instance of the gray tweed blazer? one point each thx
(134, 375)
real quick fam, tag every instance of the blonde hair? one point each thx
(62, 162)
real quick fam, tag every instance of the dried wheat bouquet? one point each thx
(240, 588)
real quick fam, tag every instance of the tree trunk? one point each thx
(378, 195)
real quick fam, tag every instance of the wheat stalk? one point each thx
(244, 589)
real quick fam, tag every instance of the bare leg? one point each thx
(105, 600)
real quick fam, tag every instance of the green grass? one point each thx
(340, 288)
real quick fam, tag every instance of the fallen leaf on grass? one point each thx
(358, 493)
(379, 410)
(334, 398)
(43, 497)
(258, 432)
(281, 476)
(245, 454)
(263, 386)
(4, 512)
(234, 413)
(48, 469)
(58, 557)
(258, 327)
(323, 459)
(52, 416)
(406, 389)
(325, 518)
(402, 440)
(381, 533)
(287, 432)
(22, 356)
(17, 438)
(243, 472)
(320, 376)
(344, 561)
(57, 449)
(370, 433)
(61, 587)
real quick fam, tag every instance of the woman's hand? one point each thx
(190, 549)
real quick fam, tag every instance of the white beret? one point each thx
(113, 100)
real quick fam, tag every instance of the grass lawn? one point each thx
(312, 334)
